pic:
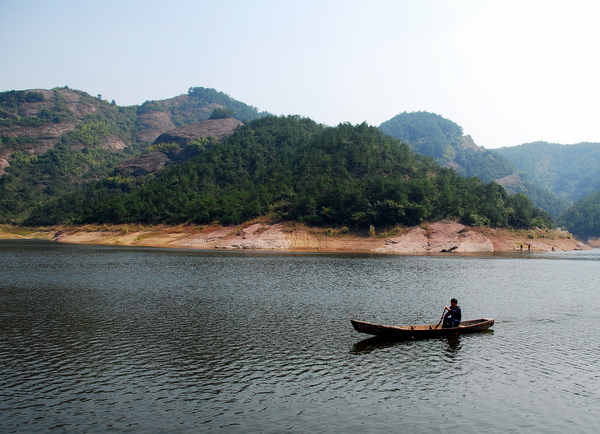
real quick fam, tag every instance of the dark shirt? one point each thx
(454, 313)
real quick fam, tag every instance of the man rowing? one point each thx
(453, 316)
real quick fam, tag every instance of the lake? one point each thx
(102, 338)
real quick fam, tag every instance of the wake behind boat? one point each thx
(421, 331)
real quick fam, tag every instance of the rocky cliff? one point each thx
(219, 128)
(38, 118)
(35, 120)
(152, 125)
(154, 161)
(141, 165)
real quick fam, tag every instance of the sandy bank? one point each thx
(427, 238)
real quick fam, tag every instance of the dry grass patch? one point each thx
(16, 231)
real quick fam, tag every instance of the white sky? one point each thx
(509, 72)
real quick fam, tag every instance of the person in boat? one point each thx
(453, 316)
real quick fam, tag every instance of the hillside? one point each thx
(570, 171)
(583, 217)
(158, 117)
(293, 169)
(54, 141)
(33, 122)
(443, 140)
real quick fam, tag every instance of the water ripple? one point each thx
(183, 341)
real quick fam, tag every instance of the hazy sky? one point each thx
(508, 72)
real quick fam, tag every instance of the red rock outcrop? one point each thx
(219, 128)
(153, 124)
(142, 164)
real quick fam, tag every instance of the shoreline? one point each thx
(439, 237)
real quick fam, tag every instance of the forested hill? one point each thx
(583, 218)
(432, 135)
(53, 141)
(292, 168)
(571, 171)
(156, 117)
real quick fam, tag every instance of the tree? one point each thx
(583, 217)
(293, 168)
(221, 113)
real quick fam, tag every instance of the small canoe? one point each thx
(421, 331)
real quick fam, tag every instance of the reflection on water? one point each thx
(104, 339)
(378, 343)
(375, 343)
(452, 346)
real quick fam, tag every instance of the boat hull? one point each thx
(421, 331)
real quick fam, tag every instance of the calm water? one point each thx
(97, 339)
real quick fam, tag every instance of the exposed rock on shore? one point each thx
(258, 237)
(440, 237)
(429, 238)
(593, 242)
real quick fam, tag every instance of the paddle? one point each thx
(443, 312)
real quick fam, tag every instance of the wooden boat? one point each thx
(421, 331)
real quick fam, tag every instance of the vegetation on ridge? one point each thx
(583, 218)
(292, 168)
(432, 135)
(54, 141)
(81, 154)
(199, 104)
(571, 171)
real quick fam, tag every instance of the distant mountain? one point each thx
(570, 171)
(432, 135)
(52, 141)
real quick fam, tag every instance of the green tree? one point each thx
(221, 113)
(295, 169)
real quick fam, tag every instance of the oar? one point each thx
(438, 324)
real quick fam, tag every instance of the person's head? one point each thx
(454, 302)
